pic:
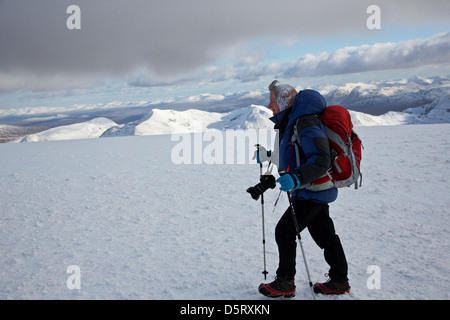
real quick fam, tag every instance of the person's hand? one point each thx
(288, 182)
(268, 181)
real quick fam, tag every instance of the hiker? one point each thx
(310, 206)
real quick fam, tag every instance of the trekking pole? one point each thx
(297, 230)
(262, 216)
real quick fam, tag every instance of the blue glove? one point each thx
(288, 182)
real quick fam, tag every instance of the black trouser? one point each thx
(314, 216)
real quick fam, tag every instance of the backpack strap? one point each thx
(301, 123)
(324, 182)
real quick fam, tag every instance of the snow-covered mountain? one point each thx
(10, 133)
(165, 122)
(252, 117)
(171, 121)
(407, 101)
(388, 119)
(158, 122)
(84, 130)
(378, 98)
(437, 111)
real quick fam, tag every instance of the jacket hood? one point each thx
(306, 102)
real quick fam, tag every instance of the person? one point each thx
(310, 206)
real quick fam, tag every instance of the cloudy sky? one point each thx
(157, 50)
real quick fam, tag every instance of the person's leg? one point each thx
(285, 234)
(285, 237)
(323, 232)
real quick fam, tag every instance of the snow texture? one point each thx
(140, 227)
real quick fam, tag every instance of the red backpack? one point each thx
(345, 151)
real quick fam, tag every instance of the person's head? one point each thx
(282, 97)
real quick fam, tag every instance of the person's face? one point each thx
(273, 105)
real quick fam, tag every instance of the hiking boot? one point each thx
(332, 287)
(278, 288)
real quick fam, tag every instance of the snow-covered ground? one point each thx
(138, 226)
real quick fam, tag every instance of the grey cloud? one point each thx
(170, 39)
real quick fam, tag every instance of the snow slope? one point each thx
(140, 227)
(84, 130)
(437, 111)
(171, 121)
(11, 133)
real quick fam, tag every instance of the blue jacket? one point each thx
(314, 149)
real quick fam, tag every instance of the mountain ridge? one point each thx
(158, 122)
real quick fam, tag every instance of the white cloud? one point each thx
(256, 95)
(205, 97)
(381, 56)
